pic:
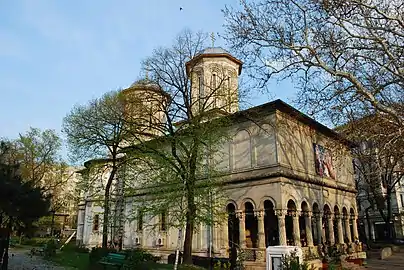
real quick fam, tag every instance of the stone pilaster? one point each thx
(296, 228)
(347, 229)
(241, 217)
(281, 213)
(309, 235)
(340, 230)
(355, 227)
(330, 228)
(225, 234)
(319, 227)
(261, 228)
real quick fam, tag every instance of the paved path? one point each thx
(23, 261)
(395, 262)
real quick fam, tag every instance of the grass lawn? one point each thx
(71, 258)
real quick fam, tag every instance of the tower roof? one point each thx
(211, 52)
(146, 85)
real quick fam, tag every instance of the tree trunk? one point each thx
(106, 207)
(389, 214)
(190, 220)
(369, 238)
(4, 265)
(189, 231)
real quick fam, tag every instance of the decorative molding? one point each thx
(281, 212)
(259, 214)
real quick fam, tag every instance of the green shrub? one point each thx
(36, 242)
(291, 262)
(50, 248)
(137, 257)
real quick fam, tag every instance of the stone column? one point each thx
(309, 235)
(240, 215)
(340, 231)
(225, 234)
(355, 227)
(280, 213)
(261, 228)
(347, 229)
(330, 229)
(296, 229)
(319, 228)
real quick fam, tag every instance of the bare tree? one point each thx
(96, 131)
(343, 55)
(178, 146)
(378, 161)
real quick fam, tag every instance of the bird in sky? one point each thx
(180, 8)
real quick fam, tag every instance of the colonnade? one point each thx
(310, 228)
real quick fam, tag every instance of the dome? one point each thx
(144, 83)
(213, 52)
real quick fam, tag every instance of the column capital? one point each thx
(281, 212)
(338, 216)
(345, 217)
(259, 213)
(293, 213)
(240, 214)
(307, 213)
(317, 215)
(354, 217)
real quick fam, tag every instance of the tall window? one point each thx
(214, 91)
(229, 94)
(96, 222)
(139, 220)
(201, 92)
(163, 221)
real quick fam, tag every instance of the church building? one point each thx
(290, 181)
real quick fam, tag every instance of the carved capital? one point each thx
(307, 214)
(240, 215)
(354, 217)
(281, 212)
(294, 213)
(259, 214)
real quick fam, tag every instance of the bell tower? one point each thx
(214, 76)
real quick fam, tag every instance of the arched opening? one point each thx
(302, 224)
(326, 231)
(251, 226)
(335, 224)
(270, 224)
(315, 232)
(289, 222)
(232, 226)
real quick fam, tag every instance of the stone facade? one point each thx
(278, 190)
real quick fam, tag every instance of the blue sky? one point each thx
(55, 54)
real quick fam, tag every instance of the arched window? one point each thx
(264, 146)
(241, 153)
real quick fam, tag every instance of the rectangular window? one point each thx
(140, 220)
(96, 222)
